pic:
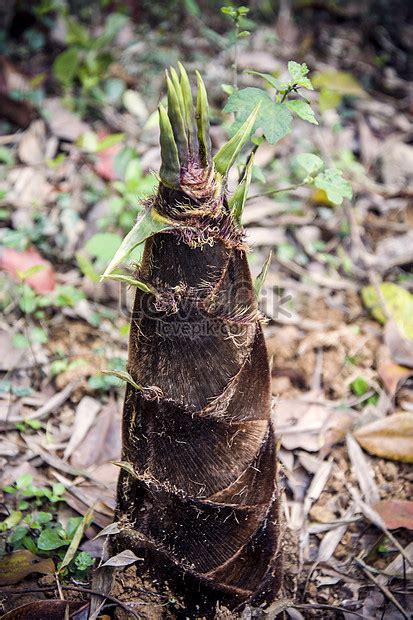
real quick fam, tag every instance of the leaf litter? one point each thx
(345, 455)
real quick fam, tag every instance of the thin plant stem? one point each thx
(277, 191)
(235, 65)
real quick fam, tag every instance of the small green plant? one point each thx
(31, 525)
(274, 119)
(237, 15)
(86, 60)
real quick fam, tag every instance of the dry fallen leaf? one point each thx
(124, 558)
(32, 146)
(393, 376)
(85, 415)
(396, 513)
(17, 565)
(400, 346)
(63, 123)
(390, 437)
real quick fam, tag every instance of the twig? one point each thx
(385, 591)
(278, 191)
(112, 599)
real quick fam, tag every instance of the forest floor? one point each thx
(337, 301)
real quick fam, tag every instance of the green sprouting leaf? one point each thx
(170, 167)
(310, 162)
(260, 279)
(77, 537)
(123, 376)
(12, 520)
(398, 304)
(334, 184)
(298, 74)
(303, 110)
(83, 561)
(202, 120)
(359, 386)
(121, 277)
(25, 481)
(229, 10)
(50, 539)
(237, 201)
(17, 534)
(340, 82)
(66, 65)
(150, 223)
(273, 118)
(103, 245)
(127, 466)
(228, 153)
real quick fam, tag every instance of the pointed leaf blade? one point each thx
(149, 224)
(227, 154)
(170, 167)
(202, 118)
(188, 109)
(237, 201)
(260, 279)
(177, 120)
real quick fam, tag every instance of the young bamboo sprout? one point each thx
(198, 487)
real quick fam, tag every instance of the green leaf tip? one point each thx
(238, 199)
(178, 90)
(170, 167)
(202, 118)
(189, 114)
(227, 154)
(175, 105)
(260, 279)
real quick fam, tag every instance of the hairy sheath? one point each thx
(199, 493)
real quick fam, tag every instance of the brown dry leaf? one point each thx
(63, 123)
(124, 558)
(397, 163)
(28, 186)
(299, 424)
(103, 441)
(394, 251)
(86, 412)
(362, 471)
(312, 426)
(396, 513)
(400, 346)
(17, 565)
(390, 438)
(393, 376)
(32, 146)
